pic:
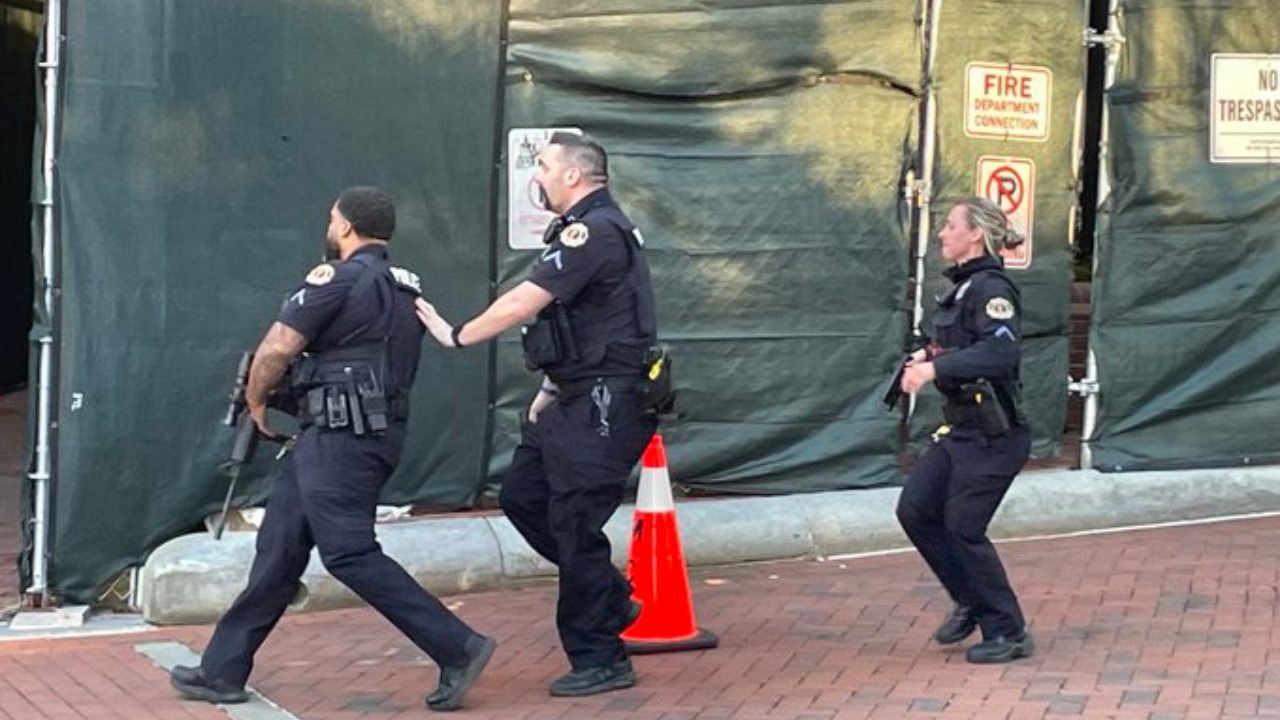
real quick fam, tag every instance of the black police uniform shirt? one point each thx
(332, 310)
(977, 326)
(587, 267)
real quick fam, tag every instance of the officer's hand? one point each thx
(426, 311)
(259, 415)
(436, 325)
(916, 376)
(917, 356)
(540, 402)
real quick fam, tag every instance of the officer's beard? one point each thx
(544, 201)
(331, 251)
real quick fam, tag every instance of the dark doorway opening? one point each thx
(20, 24)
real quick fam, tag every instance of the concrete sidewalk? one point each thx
(193, 579)
(1174, 623)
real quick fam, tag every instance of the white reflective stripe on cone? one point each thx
(654, 493)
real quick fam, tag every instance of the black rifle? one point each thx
(246, 441)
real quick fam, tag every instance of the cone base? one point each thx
(703, 640)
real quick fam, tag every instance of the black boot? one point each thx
(193, 685)
(959, 625)
(1001, 649)
(454, 681)
(594, 680)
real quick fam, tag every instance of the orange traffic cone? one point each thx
(656, 567)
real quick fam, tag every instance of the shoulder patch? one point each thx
(999, 308)
(575, 235)
(320, 274)
(407, 278)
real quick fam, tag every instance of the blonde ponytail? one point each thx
(997, 232)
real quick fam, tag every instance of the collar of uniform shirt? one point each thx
(595, 199)
(958, 273)
(378, 248)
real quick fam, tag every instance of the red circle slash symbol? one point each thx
(1006, 189)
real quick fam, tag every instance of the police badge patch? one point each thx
(999, 308)
(574, 236)
(320, 274)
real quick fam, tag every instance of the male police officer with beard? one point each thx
(353, 340)
(588, 425)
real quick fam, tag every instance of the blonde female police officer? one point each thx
(958, 483)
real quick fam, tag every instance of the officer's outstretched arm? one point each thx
(280, 345)
(517, 305)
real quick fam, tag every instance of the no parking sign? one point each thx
(1010, 183)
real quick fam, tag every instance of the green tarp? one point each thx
(201, 146)
(1187, 290)
(762, 147)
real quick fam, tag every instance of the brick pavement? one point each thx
(1164, 624)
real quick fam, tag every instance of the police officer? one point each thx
(958, 483)
(587, 426)
(352, 336)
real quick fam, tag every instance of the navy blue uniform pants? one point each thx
(566, 480)
(945, 508)
(326, 496)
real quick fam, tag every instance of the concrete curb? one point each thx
(193, 579)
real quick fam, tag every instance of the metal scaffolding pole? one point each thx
(921, 191)
(42, 475)
(1089, 386)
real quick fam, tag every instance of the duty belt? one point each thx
(961, 414)
(332, 407)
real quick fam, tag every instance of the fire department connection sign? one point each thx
(1006, 101)
(1011, 184)
(1244, 108)
(526, 218)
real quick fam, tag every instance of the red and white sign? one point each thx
(526, 218)
(1006, 101)
(1010, 183)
